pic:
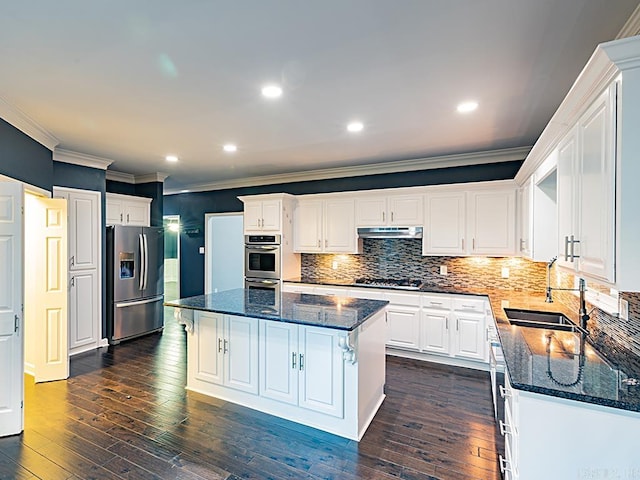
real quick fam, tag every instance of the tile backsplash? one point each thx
(402, 258)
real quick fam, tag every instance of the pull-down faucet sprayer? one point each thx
(549, 298)
(582, 288)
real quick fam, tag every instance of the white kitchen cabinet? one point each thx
(85, 266)
(302, 366)
(586, 191)
(262, 215)
(227, 351)
(325, 226)
(445, 223)
(84, 311)
(403, 327)
(128, 210)
(492, 222)
(525, 217)
(436, 312)
(392, 210)
(470, 335)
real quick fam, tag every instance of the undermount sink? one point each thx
(537, 319)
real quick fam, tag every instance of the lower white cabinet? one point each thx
(302, 366)
(470, 335)
(435, 325)
(227, 351)
(551, 437)
(84, 309)
(403, 327)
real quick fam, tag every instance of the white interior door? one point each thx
(224, 252)
(46, 293)
(11, 357)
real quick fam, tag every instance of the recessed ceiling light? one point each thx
(171, 158)
(271, 91)
(230, 147)
(355, 126)
(466, 107)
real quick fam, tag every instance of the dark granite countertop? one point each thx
(590, 370)
(340, 313)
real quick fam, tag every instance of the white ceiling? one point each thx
(133, 81)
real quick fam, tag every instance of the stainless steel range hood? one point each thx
(390, 232)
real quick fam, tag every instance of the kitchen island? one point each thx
(312, 359)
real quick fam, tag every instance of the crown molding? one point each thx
(82, 159)
(427, 163)
(135, 179)
(608, 61)
(632, 25)
(26, 125)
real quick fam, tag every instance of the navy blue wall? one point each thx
(192, 206)
(24, 159)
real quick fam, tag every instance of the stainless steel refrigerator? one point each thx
(135, 281)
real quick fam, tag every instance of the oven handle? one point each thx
(264, 282)
(261, 247)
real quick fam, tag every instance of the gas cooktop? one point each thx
(403, 283)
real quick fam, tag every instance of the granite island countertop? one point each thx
(341, 313)
(550, 362)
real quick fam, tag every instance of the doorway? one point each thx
(224, 252)
(171, 225)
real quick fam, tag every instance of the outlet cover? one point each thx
(334, 265)
(624, 309)
(201, 250)
(505, 272)
(443, 269)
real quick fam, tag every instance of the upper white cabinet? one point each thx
(586, 191)
(84, 228)
(128, 210)
(325, 226)
(525, 224)
(271, 213)
(464, 220)
(445, 223)
(492, 222)
(392, 210)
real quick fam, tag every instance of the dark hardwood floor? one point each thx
(124, 413)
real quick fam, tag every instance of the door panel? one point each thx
(241, 370)
(46, 298)
(278, 361)
(210, 356)
(11, 356)
(84, 218)
(83, 309)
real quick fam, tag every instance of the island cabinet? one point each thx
(329, 378)
(227, 351)
(302, 365)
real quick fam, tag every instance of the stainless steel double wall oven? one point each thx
(262, 264)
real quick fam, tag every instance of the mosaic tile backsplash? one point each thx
(402, 258)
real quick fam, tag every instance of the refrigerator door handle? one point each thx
(146, 261)
(140, 302)
(142, 261)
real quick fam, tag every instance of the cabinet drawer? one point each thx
(469, 305)
(403, 299)
(436, 302)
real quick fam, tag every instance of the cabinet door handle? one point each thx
(293, 360)
(446, 323)
(120, 218)
(383, 216)
(504, 393)
(72, 260)
(435, 303)
(319, 243)
(73, 281)
(504, 428)
(226, 346)
(219, 345)
(326, 243)
(301, 362)
(473, 243)
(463, 244)
(566, 248)
(457, 324)
(392, 216)
(573, 243)
(503, 464)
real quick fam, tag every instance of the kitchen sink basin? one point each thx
(537, 319)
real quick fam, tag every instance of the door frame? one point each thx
(208, 249)
(170, 218)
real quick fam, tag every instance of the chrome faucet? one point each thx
(549, 298)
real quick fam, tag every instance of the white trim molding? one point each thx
(427, 163)
(26, 125)
(116, 176)
(82, 159)
(632, 26)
